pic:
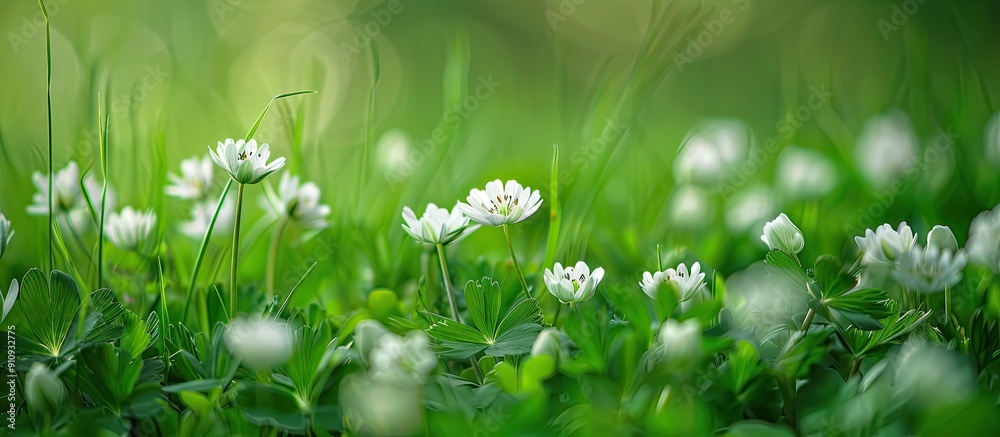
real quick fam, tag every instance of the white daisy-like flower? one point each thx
(437, 225)
(201, 216)
(130, 229)
(244, 162)
(404, 361)
(259, 341)
(195, 180)
(804, 174)
(930, 269)
(691, 208)
(688, 284)
(983, 245)
(70, 204)
(501, 204)
(5, 234)
(887, 148)
(885, 246)
(781, 234)
(750, 209)
(573, 284)
(298, 202)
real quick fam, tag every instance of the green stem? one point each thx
(513, 258)
(233, 291)
(808, 320)
(855, 367)
(555, 321)
(447, 284)
(947, 306)
(272, 256)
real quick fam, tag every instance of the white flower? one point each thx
(711, 150)
(299, 203)
(991, 139)
(70, 204)
(886, 246)
(130, 229)
(43, 390)
(943, 238)
(201, 216)
(804, 174)
(680, 342)
(983, 245)
(749, 210)
(393, 152)
(9, 299)
(691, 207)
(501, 204)
(244, 162)
(886, 148)
(688, 284)
(195, 181)
(366, 337)
(573, 284)
(259, 341)
(5, 234)
(404, 361)
(549, 342)
(437, 225)
(930, 269)
(781, 234)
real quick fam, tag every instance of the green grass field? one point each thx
(545, 217)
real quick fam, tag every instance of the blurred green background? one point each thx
(176, 77)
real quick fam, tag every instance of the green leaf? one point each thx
(483, 301)
(525, 312)
(447, 330)
(517, 341)
(271, 405)
(861, 342)
(786, 271)
(49, 310)
(831, 280)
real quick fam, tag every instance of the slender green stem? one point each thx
(855, 367)
(513, 258)
(48, 108)
(808, 320)
(233, 290)
(447, 283)
(947, 306)
(555, 321)
(272, 255)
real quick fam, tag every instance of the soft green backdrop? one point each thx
(177, 76)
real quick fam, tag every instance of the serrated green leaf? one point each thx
(447, 330)
(49, 307)
(525, 312)
(832, 282)
(516, 341)
(483, 301)
(786, 271)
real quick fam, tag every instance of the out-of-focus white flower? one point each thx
(244, 162)
(378, 408)
(573, 284)
(931, 375)
(691, 207)
(991, 140)
(804, 174)
(749, 210)
(201, 216)
(886, 148)
(299, 203)
(885, 246)
(688, 284)
(393, 151)
(259, 341)
(43, 390)
(130, 229)
(501, 203)
(437, 225)
(781, 234)
(195, 180)
(711, 151)
(404, 361)
(5, 234)
(549, 342)
(366, 336)
(932, 268)
(680, 342)
(70, 204)
(983, 245)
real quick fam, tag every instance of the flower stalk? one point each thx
(233, 291)
(513, 258)
(272, 256)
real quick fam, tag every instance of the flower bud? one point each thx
(43, 390)
(783, 235)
